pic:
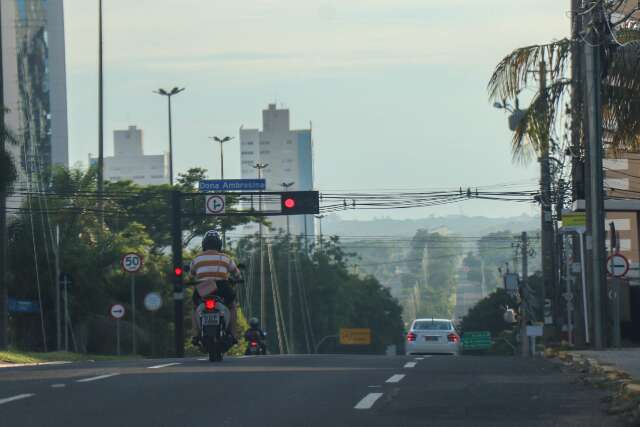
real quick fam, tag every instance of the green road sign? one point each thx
(477, 340)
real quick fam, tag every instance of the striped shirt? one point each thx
(213, 265)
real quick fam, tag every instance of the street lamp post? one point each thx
(221, 141)
(285, 187)
(263, 284)
(169, 94)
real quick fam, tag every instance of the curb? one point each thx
(623, 391)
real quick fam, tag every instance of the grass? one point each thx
(15, 356)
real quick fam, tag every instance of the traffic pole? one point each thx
(133, 312)
(118, 336)
(524, 339)
(57, 292)
(176, 249)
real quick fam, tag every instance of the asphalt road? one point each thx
(317, 390)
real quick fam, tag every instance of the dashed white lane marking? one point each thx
(202, 359)
(166, 365)
(375, 386)
(395, 378)
(99, 377)
(58, 385)
(368, 401)
(419, 358)
(410, 365)
(13, 398)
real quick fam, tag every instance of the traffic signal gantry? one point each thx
(225, 204)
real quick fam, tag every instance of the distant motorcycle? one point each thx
(255, 343)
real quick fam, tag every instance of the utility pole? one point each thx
(100, 117)
(263, 282)
(546, 218)
(285, 187)
(595, 202)
(57, 293)
(524, 339)
(4, 282)
(319, 218)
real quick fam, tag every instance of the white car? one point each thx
(432, 336)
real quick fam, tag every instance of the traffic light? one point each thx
(178, 272)
(300, 202)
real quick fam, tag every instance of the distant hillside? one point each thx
(458, 224)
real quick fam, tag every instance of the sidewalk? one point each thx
(627, 359)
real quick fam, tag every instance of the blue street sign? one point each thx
(232, 185)
(23, 306)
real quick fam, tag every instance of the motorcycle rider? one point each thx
(212, 270)
(254, 333)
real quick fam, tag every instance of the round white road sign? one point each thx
(131, 262)
(214, 205)
(153, 301)
(617, 265)
(117, 311)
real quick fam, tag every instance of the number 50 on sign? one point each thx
(131, 262)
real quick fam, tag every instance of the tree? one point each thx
(620, 89)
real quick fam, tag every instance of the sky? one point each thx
(395, 90)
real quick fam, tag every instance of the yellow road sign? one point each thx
(574, 219)
(355, 336)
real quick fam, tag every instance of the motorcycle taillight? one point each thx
(254, 344)
(209, 304)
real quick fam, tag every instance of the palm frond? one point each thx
(513, 73)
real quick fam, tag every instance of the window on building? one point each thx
(247, 162)
(246, 153)
(250, 143)
(138, 177)
(265, 152)
(265, 143)
(157, 176)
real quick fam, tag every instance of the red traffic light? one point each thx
(290, 203)
(178, 271)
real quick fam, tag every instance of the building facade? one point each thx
(289, 155)
(34, 83)
(129, 163)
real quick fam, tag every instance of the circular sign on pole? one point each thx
(214, 205)
(153, 301)
(117, 311)
(131, 262)
(617, 265)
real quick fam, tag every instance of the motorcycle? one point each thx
(255, 345)
(214, 323)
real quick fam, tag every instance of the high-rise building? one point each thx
(35, 90)
(289, 154)
(129, 163)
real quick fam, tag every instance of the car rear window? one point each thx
(437, 325)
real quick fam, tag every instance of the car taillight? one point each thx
(411, 336)
(453, 338)
(254, 344)
(209, 304)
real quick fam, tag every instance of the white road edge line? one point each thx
(166, 365)
(18, 397)
(99, 377)
(395, 378)
(58, 385)
(368, 401)
(410, 365)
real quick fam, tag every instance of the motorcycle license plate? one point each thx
(209, 319)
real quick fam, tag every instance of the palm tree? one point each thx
(620, 90)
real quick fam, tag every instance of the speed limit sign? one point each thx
(131, 262)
